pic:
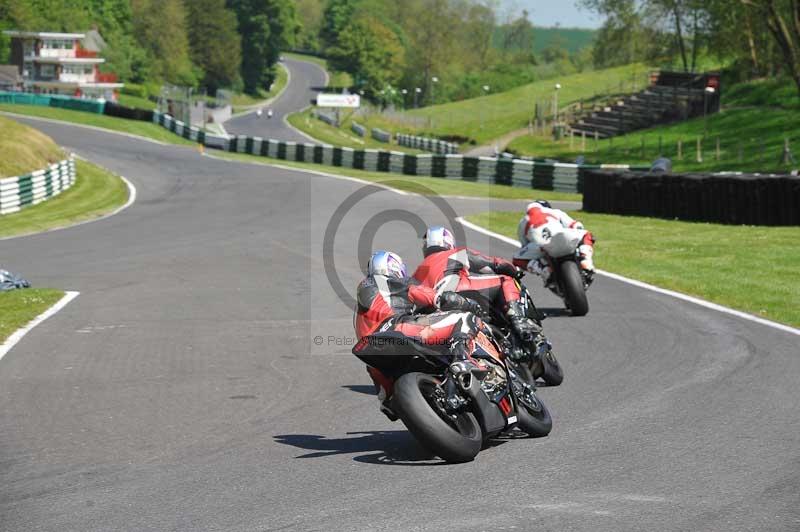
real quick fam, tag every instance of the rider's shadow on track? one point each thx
(384, 447)
(554, 312)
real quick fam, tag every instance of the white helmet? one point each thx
(387, 264)
(437, 239)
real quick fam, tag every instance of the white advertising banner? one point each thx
(338, 100)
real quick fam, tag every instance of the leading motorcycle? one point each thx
(452, 406)
(568, 281)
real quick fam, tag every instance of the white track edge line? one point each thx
(646, 286)
(20, 333)
(131, 199)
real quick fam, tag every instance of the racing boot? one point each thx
(541, 268)
(383, 389)
(528, 330)
(586, 253)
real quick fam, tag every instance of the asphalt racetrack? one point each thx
(202, 380)
(304, 80)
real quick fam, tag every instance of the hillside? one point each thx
(570, 39)
(756, 120)
(23, 149)
(489, 117)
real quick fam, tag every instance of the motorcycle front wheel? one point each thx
(418, 401)
(574, 291)
(533, 417)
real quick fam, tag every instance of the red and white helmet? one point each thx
(387, 264)
(437, 239)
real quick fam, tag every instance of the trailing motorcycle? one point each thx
(452, 406)
(530, 364)
(569, 282)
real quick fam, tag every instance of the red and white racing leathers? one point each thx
(466, 271)
(529, 255)
(394, 302)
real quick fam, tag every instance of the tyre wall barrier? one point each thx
(719, 198)
(381, 135)
(53, 100)
(16, 193)
(358, 129)
(426, 144)
(131, 113)
(188, 132)
(511, 172)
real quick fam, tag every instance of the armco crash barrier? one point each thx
(719, 198)
(426, 144)
(517, 172)
(19, 192)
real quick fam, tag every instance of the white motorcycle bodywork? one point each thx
(556, 240)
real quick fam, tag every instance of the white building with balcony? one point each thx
(58, 63)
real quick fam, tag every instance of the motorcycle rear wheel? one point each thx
(553, 374)
(574, 291)
(454, 440)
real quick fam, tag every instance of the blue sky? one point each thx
(550, 12)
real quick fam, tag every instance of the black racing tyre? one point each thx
(457, 440)
(533, 417)
(574, 291)
(553, 374)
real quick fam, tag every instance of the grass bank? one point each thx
(134, 127)
(753, 269)
(24, 149)
(19, 307)
(242, 102)
(423, 185)
(95, 193)
(340, 136)
(748, 140)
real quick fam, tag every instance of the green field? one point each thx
(490, 117)
(18, 307)
(96, 192)
(342, 136)
(756, 120)
(753, 269)
(422, 185)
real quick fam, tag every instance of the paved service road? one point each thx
(183, 389)
(304, 80)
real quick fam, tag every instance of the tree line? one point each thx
(209, 43)
(753, 38)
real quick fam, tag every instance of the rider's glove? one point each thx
(506, 268)
(454, 301)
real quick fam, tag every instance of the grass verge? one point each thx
(339, 136)
(134, 127)
(24, 149)
(715, 262)
(19, 307)
(95, 193)
(243, 102)
(422, 185)
(750, 140)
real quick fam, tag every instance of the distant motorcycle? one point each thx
(453, 406)
(569, 282)
(258, 113)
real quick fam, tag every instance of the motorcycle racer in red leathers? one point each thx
(465, 271)
(388, 300)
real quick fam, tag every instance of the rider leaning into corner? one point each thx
(388, 300)
(530, 257)
(460, 269)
